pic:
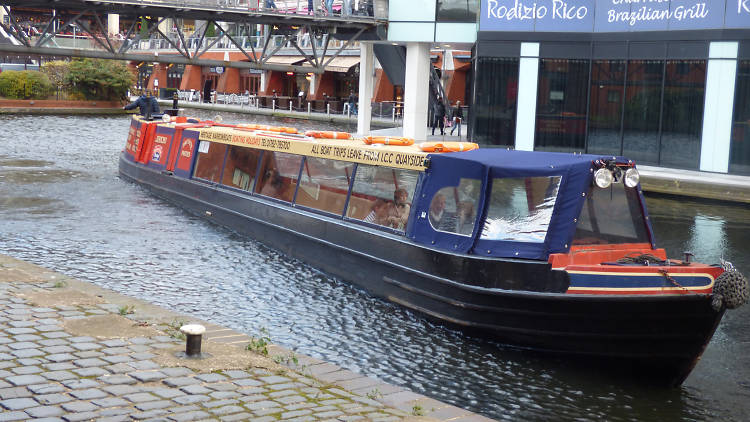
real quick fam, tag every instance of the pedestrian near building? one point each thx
(439, 116)
(458, 117)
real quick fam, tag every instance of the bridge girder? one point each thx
(135, 9)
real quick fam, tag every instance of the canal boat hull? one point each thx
(522, 303)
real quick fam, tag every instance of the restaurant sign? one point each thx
(613, 15)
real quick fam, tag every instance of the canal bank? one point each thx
(73, 350)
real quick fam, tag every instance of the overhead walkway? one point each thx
(285, 18)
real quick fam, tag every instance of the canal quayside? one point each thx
(549, 252)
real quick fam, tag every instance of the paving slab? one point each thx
(67, 354)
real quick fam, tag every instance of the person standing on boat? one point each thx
(146, 103)
(439, 117)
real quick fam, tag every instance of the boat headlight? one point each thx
(632, 177)
(166, 118)
(218, 118)
(603, 178)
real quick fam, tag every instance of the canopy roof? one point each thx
(575, 172)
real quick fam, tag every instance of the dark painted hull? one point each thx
(660, 336)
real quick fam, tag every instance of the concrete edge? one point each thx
(356, 386)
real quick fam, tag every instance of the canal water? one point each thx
(63, 206)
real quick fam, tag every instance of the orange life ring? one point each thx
(447, 146)
(328, 134)
(388, 140)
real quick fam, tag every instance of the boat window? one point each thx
(453, 208)
(611, 215)
(324, 184)
(520, 209)
(210, 160)
(239, 170)
(382, 196)
(279, 174)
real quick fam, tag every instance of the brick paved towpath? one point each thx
(72, 351)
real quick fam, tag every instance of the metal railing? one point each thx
(256, 41)
(343, 8)
(386, 109)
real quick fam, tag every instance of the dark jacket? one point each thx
(145, 105)
(439, 110)
(458, 113)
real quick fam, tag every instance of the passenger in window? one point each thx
(465, 217)
(380, 213)
(437, 209)
(401, 208)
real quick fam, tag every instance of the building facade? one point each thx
(663, 82)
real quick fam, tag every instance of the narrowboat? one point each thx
(549, 252)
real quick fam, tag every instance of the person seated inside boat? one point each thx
(437, 210)
(147, 105)
(464, 218)
(400, 211)
(380, 213)
(273, 184)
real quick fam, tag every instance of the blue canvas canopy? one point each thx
(575, 174)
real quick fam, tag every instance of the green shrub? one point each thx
(99, 79)
(25, 84)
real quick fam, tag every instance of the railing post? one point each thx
(394, 112)
(328, 109)
(309, 109)
(290, 105)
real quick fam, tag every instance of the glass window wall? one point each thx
(605, 110)
(682, 113)
(561, 105)
(495, 100)
(739, 154)
(382, 196)
(457, 10)
(643, 91)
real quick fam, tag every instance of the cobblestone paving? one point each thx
(49, 374)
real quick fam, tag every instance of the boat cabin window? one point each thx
(453, 208)
(520, 209)
(382, 196)
(278, 177)
(324, 184)
(210, 161)
(240, 168)
(611, 215)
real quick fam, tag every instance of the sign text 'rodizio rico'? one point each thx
(613, 15)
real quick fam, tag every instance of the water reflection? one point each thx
(91, 225)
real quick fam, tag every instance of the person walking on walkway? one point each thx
(458, 117)
(439, 116)
(329, 7)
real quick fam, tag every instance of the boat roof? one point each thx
(352, 150)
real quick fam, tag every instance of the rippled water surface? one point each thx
(62, 206)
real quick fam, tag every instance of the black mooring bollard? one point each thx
(194, 333)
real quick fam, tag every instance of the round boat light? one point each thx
(603, 178)
(166, 118)
(632, 177)
(218, 118)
